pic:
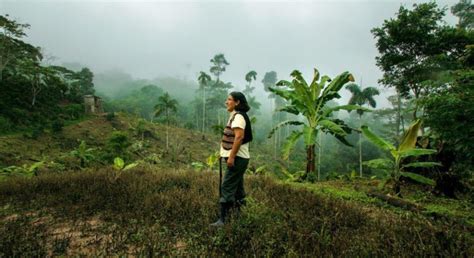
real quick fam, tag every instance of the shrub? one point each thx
(35, 132)
(57, 125)
(5, 125)
(110, 116)
(116, 146)
(73, 111)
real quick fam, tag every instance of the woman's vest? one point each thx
(228, 136)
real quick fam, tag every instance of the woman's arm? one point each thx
(239, 137)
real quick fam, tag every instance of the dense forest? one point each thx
(326, 177)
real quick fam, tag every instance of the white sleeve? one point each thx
(239, 121)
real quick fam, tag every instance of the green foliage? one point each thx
(73, 111)
(5, 125)
(212, 160)
(84, 154)
(464, 11)
(269, 80)
(24, 170)
(448, 114)
(219, 64)
(413, 45)
(361, 97)
(57, 125)
(35, 132)
(406, 149)
(32, 93)
(310, 100)
(117, 145)
(119, 164)
(198, 166)
(140, 101)
(110, 116)
(166, 106)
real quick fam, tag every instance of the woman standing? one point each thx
(235, 151)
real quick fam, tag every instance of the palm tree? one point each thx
(252, 75)
(361, 97)
(269, 80)
(310, 101)
(166, 106)
(204, 79)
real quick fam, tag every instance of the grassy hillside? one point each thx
(163, 206)
(185, 146)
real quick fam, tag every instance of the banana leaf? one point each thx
(376, 140)
(409, 138)
(419, 178)
(290, 143)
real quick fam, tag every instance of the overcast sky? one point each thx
(178, 38)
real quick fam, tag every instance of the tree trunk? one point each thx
(203, 108)
(310, 160)
(399, 116)
(274, 136)
(360, 146)
(167, 128)
(417, 95)
(287, 134)
(319, 155)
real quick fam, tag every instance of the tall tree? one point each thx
(219, 89)
(464, 10)
(249, 77)
(219, 64)
(12, 48)
(361, 97)
(203, 80)
(166, 106)
(394, 118)
(414, 47)
(269, 80)
(310, 100)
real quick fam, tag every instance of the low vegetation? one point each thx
(167, 213)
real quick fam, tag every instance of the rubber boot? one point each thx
(224, 212)
(238, 205)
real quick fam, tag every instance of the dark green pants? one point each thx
(232, 188)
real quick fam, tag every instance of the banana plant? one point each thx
(212, 160)
(310, 101)
(24, 170)
(84, 154)
(120, 166)
(395, 164)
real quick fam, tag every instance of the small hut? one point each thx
(93, 104)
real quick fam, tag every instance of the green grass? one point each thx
(460, 210)
(337, 191)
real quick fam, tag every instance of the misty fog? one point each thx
(162, 39)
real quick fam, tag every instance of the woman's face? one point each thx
(231, 103)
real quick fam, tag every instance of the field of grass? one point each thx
(168, 213)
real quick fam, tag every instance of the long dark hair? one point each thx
(243, 105)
